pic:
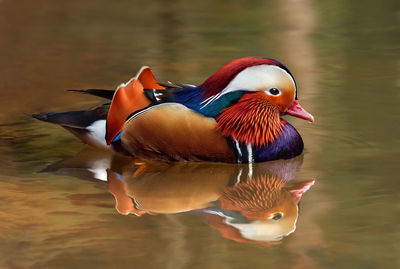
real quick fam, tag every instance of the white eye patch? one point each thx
(259, 77)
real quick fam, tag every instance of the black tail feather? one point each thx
(74, 119)
(107, 94)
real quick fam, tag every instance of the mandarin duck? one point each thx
(234, 116)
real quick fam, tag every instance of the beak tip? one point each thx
(296, 110)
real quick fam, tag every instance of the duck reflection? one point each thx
(252, 204)
(261, 210)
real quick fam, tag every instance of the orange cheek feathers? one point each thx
(251, 120)
(282, 102)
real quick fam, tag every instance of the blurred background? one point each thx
(344, 55)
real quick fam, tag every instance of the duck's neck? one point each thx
(251, 121)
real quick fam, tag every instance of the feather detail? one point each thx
(219, 80)
(129, 98)
(173, 132)
(87, 125)
(147, 79)
(251, 120)
(253, 198)
(107, 94)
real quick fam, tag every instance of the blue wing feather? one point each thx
(193, 99)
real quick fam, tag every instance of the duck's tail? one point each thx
(107, 94)
(88, 125)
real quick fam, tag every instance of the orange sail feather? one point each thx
(128, 98)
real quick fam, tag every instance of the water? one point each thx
(55, 213)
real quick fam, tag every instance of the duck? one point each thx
(234, 116)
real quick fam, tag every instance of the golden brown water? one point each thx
(345, 58)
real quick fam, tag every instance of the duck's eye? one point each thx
(277, 216)
(274, 91)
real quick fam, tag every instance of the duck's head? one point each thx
(252, 90)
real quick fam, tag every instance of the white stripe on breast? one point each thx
(239, 160)
(251, 160)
